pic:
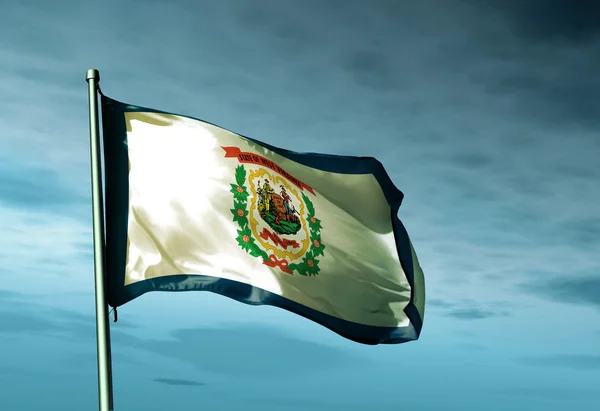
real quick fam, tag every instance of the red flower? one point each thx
(313, 220)
(316, 243)
(240, 212)
(246, 238)
(310, 263)
(239, 189)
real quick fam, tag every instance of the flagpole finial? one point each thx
(92, 74)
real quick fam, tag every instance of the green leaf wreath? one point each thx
(310, 264)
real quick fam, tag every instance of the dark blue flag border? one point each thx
(116, 213)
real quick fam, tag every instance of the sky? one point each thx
(486, 114)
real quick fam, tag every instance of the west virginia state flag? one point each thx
(192, 206)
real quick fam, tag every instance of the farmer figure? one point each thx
(259, 191)
(267, 191)
(286, 200)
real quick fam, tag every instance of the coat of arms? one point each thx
(277, 209)
(276, 219)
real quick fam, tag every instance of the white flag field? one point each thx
(192, 206)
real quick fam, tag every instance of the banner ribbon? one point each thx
(274, 262)
(251, 158)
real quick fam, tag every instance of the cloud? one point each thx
(523, 37)
(471, 160)
(469, 308)
(578, 290)
(6, 295)
(550, 394)
(24, 314)
(472, 347)
(435, 302)
(575, 22)
(36, 187)
(474, 314)
(303, 403)
(41, 314)
(57, 244)
(584, 232)
(567, 361)
(452, 74)
(284, 24)
(487, 124)
(238, 350)
(372, 69)
(179, 382)
(15, 322)
(242, 350)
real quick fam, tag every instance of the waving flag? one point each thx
(192, 206)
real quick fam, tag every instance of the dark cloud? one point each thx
(242, 350)
(372, 69)
(574, 362)
(435, 302)
(547, 20)
(285, 27)
(536, 60)
(471, 190)
(577, 172)
(570, 99)
(578, 290)
(475, 314)
(471, 160)
(584, 231)
(179, 382)
(249, 350)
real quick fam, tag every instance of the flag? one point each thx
(192, 206)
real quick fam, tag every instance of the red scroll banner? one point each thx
(251, 158)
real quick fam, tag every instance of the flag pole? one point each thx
(105, 402)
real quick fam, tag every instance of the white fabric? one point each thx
(180, 222)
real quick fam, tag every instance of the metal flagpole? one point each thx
(102, 328)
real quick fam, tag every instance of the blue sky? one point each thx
(486, 115)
